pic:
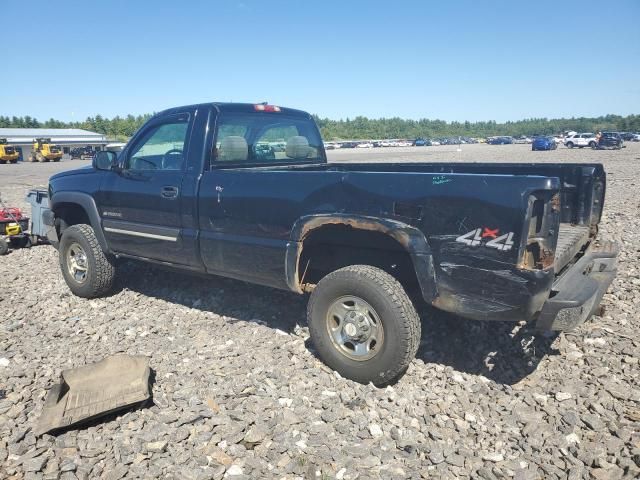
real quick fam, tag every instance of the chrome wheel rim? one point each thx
(77, 263)
(355, 328)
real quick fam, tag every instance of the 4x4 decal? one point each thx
(488, 237)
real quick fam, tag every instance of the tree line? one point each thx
(116, 128)
(366, 128)
(121, 128)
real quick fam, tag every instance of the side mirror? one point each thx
(105, 160)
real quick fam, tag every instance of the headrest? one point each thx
(297, 147)
(233, 149)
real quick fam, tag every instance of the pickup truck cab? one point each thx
(245, 191)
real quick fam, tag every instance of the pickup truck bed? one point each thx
(245, 191)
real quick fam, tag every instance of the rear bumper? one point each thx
(576, 293)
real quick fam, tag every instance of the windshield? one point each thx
(266, 138)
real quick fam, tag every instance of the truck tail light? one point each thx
(543, 221)
(261, 107)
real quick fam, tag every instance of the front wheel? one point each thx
(569, 145)
(363, 324)
(89, 273)
(593, 144)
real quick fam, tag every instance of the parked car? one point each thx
(365, 240)
(581, 140)
(348, 144)
(610, 140)
(627, 136)
(523, 139)
(544, 143)
(364, 145)
(81, 153)
(421, 142)
(500, 141)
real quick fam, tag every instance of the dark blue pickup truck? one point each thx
(245, 191)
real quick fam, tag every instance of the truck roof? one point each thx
(236, 108)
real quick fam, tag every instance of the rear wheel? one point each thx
(89, 273)
(14, 161)
(363, 324)
(2, 162)
(4, 247)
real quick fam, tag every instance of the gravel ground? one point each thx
(239, 394)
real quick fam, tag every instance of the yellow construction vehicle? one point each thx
(43, 151)
(8, 153)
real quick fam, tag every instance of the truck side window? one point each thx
(265, 138)
(160, 148)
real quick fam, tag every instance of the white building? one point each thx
(67, 138)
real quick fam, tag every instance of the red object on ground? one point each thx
(10, 214)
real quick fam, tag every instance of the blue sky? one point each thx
(452, 60)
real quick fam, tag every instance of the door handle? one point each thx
(169, 192)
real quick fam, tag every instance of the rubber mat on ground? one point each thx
(85, 393)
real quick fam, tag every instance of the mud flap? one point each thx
(94, 390)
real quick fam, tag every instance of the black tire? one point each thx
(570, 145)
(13, 161)
(593, 144)
(398, 317)
(100, 268)
(2, 162)
(533, 149)
(20, 242)
(4, 247)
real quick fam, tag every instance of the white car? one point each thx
(365, 145)
(581, 140)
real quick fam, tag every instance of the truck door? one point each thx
(246, 211)
(141, 204)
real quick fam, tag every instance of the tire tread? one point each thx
(102, 283)
(409, 320)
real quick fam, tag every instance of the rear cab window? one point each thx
(265, 138)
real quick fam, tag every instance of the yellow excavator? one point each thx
(8, 153)
(44, 151)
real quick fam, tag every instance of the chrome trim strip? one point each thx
(140, 234)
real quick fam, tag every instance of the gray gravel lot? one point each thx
(238, 393)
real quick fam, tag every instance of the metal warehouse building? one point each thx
(67, 138)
